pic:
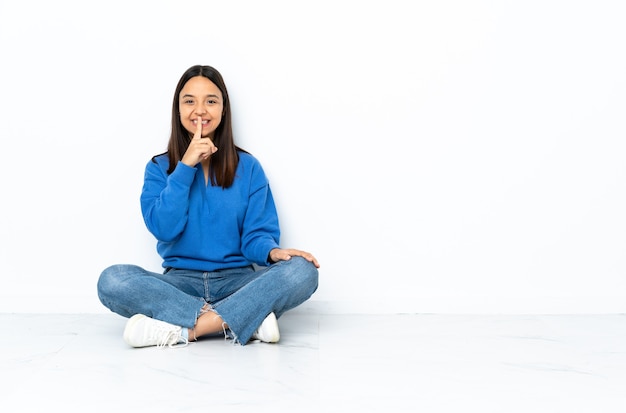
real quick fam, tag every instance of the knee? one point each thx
(305, 271)
(111, 278)
(107, 280)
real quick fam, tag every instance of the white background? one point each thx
(436, 156)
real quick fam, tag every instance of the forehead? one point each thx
(200, 86)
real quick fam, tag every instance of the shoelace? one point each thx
(168, 337)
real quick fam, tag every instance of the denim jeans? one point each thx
(242, 297)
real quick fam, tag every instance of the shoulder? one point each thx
(250, 167)
(247, 158)
(157, 166)
(161, 161)
(248, 162)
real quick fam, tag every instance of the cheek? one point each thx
(186, 123)
(184, 113)
(216, 115)
(219, 114)
(184, 116)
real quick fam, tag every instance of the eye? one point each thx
(188, 101)
(211, 101)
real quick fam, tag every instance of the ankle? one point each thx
(191, 334)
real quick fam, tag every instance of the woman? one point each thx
(209, 205)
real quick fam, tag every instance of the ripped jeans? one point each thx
(242, 297)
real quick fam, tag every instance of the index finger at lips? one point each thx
(198, 133)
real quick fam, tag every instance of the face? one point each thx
(200, 98)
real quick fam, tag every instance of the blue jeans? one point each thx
(242, 297)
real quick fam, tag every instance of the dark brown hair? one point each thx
(223, 162)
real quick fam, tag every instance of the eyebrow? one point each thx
(192, 96)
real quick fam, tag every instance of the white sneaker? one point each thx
(143, 331)
(268, 330)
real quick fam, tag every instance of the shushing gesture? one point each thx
(200, 149)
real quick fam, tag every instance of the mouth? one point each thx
(204, 122)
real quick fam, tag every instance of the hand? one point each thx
(199, 148)
(280, 254)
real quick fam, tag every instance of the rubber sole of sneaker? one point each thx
(130, 324)
(268, 331)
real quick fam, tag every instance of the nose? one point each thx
(200, 110)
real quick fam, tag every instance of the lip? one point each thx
(204, 122)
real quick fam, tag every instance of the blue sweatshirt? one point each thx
(204, 227)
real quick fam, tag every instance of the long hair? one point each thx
(223, 162)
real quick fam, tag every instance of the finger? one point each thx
(198, 133)
(309, 257)
(306, 255)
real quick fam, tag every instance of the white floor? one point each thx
(325, 363)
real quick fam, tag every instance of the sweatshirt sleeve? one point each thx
(261, 232)
(165, 199)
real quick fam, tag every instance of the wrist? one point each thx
(269, 256)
